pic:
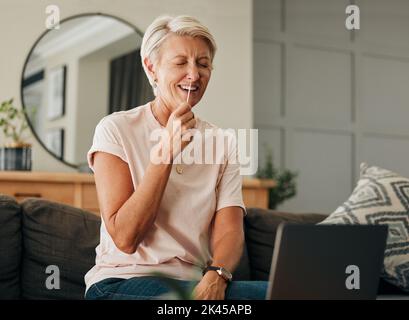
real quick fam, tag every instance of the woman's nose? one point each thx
(193, 73)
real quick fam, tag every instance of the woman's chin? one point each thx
(180, 98)
(192, 101)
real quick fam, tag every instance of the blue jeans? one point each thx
(146, 288)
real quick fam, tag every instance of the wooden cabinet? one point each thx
(75, 189)
(78, 189)
(255, 192)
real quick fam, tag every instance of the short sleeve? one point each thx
(106, 139)
(229, 188)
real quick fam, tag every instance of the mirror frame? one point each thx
(34, 133)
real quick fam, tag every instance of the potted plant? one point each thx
(286, 186)
(15, 152)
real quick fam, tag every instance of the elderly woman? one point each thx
(182, 221)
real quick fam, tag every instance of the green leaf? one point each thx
(285, 188)
(12, 120)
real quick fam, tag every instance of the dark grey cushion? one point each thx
(242, 271)
(60, 235)
(260, 228)
(10, 248)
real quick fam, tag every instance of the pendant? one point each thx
(179, 169)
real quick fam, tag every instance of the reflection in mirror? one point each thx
(76, 75)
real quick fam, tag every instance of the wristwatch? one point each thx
(222, 272)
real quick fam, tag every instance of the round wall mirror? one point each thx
(77, 74)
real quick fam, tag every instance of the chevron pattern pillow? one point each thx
(382, 197)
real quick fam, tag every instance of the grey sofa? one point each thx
(39, 233)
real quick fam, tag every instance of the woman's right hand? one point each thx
(179, 130)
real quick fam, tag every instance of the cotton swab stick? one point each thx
(188, 93)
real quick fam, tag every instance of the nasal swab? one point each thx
(188, 93)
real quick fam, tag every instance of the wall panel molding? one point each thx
(363, 73)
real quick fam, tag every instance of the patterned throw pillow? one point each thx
(382, 197)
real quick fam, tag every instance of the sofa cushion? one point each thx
(57, 235)
(242, 271)
(10, 248)
(382, 197)
(261, 226)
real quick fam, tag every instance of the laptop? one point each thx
(327, 261)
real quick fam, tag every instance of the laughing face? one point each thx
(183, 61)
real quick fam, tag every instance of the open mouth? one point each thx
(185, 88)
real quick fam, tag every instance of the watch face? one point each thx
(226, 274)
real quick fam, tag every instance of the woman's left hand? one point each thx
(211, 287)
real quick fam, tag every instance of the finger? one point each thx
(197, 292)
(186, 117)
(199, 295)
(189, 125)
(186, 139)
(175, 125)
(182, 109)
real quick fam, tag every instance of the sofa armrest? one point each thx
(10, 248)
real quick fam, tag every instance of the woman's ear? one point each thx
(150, 67)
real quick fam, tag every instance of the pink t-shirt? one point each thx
(178, 244)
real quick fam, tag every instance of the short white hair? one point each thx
(162, 27)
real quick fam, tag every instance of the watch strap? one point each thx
(217, 269)
(208, 268)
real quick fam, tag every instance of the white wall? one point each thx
(92, 101)
(326, 99)
(228, 101)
